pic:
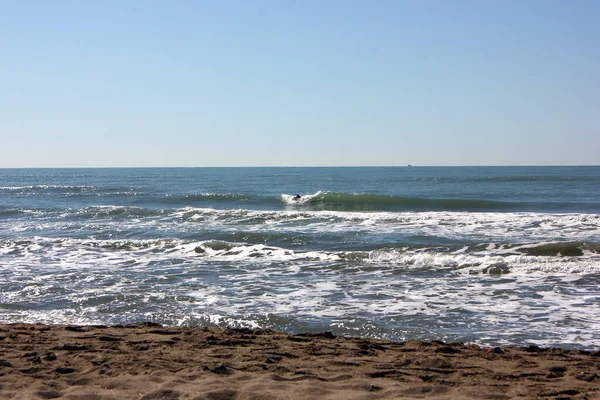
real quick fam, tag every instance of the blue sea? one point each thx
(484, 255)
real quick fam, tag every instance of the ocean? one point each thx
(485, 255)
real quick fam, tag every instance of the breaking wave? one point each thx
(555, 258)
(334, 201)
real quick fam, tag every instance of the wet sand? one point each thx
(147, 361)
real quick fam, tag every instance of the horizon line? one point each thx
(313, 166)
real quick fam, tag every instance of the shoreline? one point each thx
(148, 361)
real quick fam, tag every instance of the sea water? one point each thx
(486, 255)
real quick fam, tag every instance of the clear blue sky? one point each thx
(245, 83)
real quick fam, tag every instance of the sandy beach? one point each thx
(148, 361)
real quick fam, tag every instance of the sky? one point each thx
(101, 83)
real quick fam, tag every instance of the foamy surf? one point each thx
(490, 256)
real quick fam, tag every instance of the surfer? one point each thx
(296, 197)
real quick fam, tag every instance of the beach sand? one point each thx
(147, 361)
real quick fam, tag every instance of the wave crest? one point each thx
(340, 201)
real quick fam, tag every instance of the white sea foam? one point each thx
(169, 282)
(484, 227)
(42, 187)
(396, 291)
(493, 258)
(445, 224)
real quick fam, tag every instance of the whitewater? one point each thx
(489, 255)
